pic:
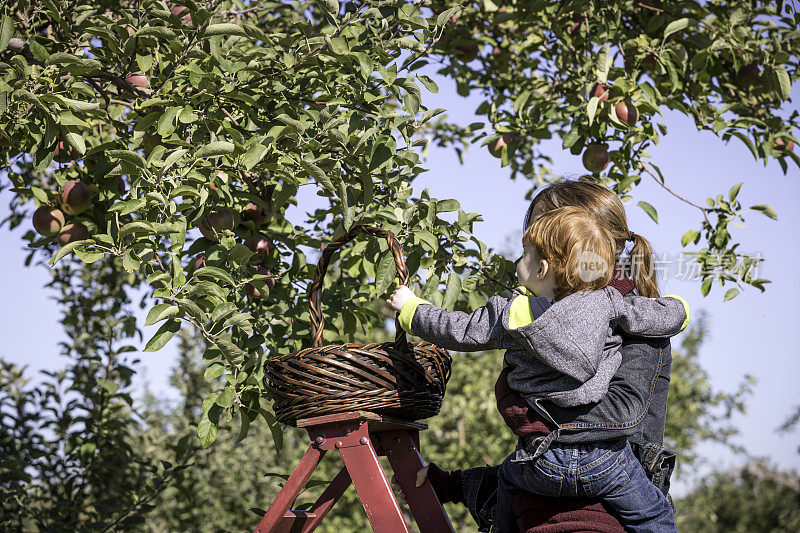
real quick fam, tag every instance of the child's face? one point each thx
(533, 273)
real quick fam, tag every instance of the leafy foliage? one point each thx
(754, 497)
(72, 456)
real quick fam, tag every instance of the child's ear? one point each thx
(544, 268)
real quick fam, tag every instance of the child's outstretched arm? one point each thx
(650, 317)
(466, 332)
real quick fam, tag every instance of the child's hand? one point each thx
(399, 297)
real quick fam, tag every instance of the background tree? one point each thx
(754, 497)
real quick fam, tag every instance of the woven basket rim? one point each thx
(300, 353)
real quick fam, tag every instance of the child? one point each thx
(565, 352)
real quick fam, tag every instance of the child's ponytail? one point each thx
(641, 266)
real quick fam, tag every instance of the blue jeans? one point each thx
(607, 470)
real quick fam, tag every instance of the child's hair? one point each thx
(609, 211)
(579, 250)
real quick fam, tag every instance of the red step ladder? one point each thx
(360, 437)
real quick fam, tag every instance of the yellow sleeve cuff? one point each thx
(685, 308)
(520, 314)
(408, 310)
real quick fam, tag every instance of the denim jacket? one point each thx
(635, 408)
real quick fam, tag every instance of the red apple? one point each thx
(577, 20)
(75, 197)
(137, 79)
(257, 214)
(466, 52)
(253, 292)
(178, 9)
(496, 147)
(748, 75)
(780, 144)
(258, 244)
(73, 232)
(602, 91)
(63, 152)
(627, 112)
(595, 157)
(214, 223)
(121, 187)
(47, 220)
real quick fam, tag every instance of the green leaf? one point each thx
(767, 210)
(230, 351)
(452, 290)
(129, 156)
(207, 432)
(706, 286)
(428, 83)
(214, 272)
(650, 210)
(214, 371)
(319, 175)
(160, 312)
(731, 293)
(689, 236)
(224, 28)
(677, 25)
(734, 191)
(76, 141)
(166, 123)
(226, 397)
(591, 108)
(446, 206)
(64, 250)
(331, 7)
(6, 32)
(602, 64)
(784, 82)
(79, 105)
(255, 153)
(215, 149)
(384, 273)
(163, 335)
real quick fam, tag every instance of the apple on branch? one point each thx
(258, 244)
(47, 220)
(252, 291)
(602, 91)
(137, 79)
(213, 224)
(497, 146)
(627, 113)
(73, 232)
(595, 157)
(75, 197)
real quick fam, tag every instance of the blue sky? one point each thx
(749, 334)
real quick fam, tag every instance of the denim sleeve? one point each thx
(635, 406)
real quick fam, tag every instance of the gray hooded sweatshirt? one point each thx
(566, 351)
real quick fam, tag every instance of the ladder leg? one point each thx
(328, 499)
(290, 490)
(402, 449)
(373, 488)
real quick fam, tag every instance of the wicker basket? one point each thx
(399, 379)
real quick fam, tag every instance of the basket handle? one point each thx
(315, 293)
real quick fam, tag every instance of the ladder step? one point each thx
(303, 515)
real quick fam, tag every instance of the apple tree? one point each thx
(206, 150)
